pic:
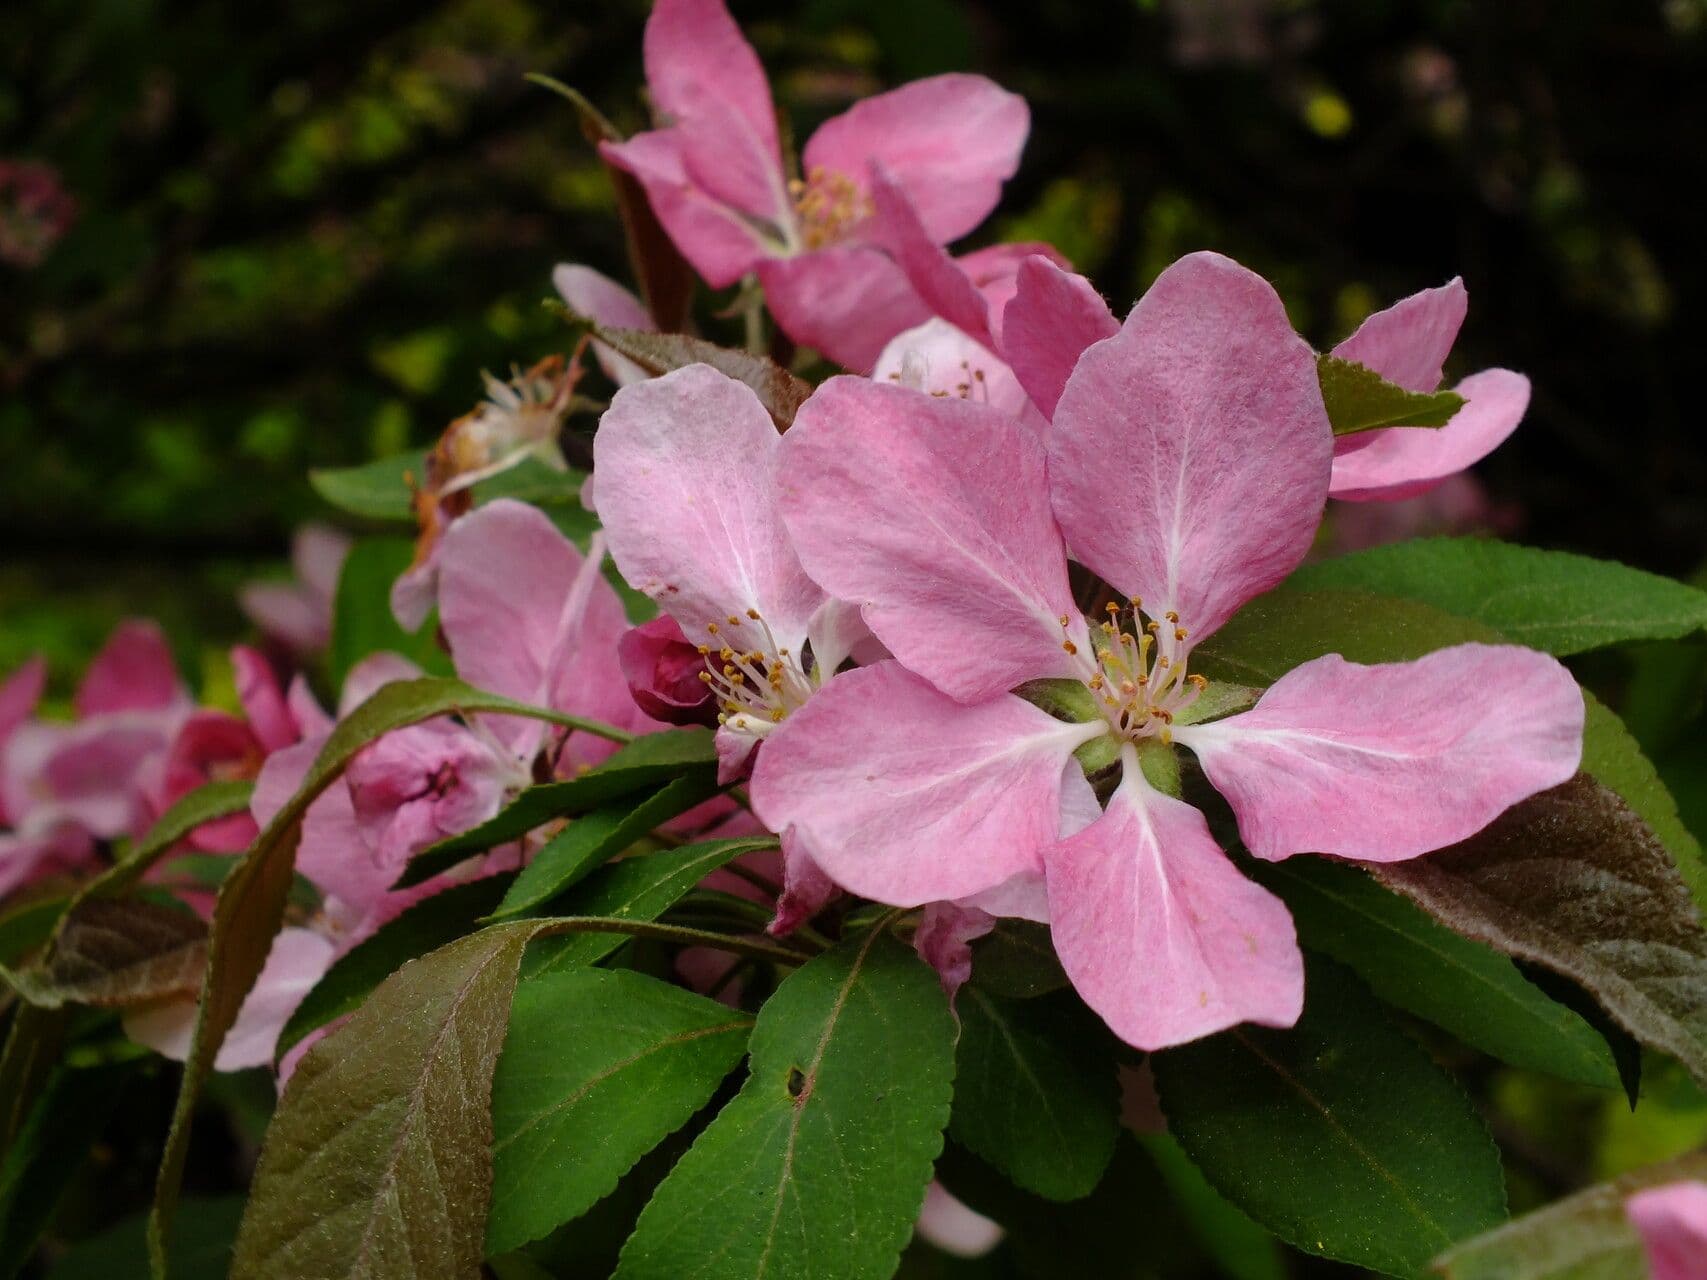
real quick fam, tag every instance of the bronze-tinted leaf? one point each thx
(1574, 881)
(119, 953)
(778, 390)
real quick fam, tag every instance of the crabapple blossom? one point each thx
(1672, 1222)
(1187, 464)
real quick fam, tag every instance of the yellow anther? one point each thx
(1179, 633)
(1112, 608)
(711, 627)
(705, 676)
(1063, 619)
(1171, 616)
(734, 621)
(704, 650)
(1152, 627)
(1069, 646)
(1200, 683)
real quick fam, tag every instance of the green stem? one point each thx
(752, 948)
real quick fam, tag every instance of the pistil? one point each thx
(756, 681)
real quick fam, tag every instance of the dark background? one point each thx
(302, 229)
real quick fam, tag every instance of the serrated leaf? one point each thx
(113, 954)
(1550, 600)
(1572, 880)
(1412, 961)
(378, 1163)
(251, 903)
(427, 925)
(1359, 399)
(572, 1113)
(778, 390)
(1243, 1250)
(26, 928)
(64, 1124)
(378, 490)
(590, 841)
(362, 621)
(1587, 1236)
(850, 1071)
(1017, 958)
(634, 889)
(1340, 1135)
(210, 1225)
(648, 761)
(1035, 1091)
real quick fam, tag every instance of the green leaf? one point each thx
(66, 1120)
(634, 889)
(378, 490)
(252, 900)
(1573, 881)
(429, 924)
(378, 1163)
(1017, 959)
(572, 1113)
(26, 928)
(118, 953)
(1340, 1135)
(1550, 600)
(1611, 755)
(535, 481)
(1359, 399)
(1587, 1236)
(778, 390)
(588, 842)
(648, 761)
(32, 1050)
(362, 621)
(1243, 1250)
(1412, 961)
(1035, 1092)
(830, 1142)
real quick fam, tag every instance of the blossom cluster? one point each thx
(950, 626)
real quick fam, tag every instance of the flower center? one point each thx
(966, 381)
(829, 205)
(756, 682)
(1140, 680)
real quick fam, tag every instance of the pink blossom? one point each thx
(35, 211)
(715, 176)
(1187, 464)
(1672, 1222)
(296, 616)
(1407, 344)
(66, 785)
(689, 495)
(954, 1228)
(662, 666)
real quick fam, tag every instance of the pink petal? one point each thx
(332, 854)
(287, 615)
(945, 287)
(731, 164)
(416, 590)
(734, 753)
(602, 299)
(1408, 342)
(1053, 317)
(906, 797)
(1190, 454)
(25, 859)
(133, 672)
(317, 554)
(954, 1228)
(951, 140)
(97, 773)
(1386, 762)
(662, 670)
(527, 616)
(933, 515)
(688, 495)
(1672, 1221)
(212, 745)
(372, 674)
(806, 890)
(944, 941)
(1159, 932)
(1401, 462)
(422, 784)
(717, 240)
(837, 634)
(311, 719)
(845, 303)
(19, 693)
(940, 360)
(298, 960)
(994, 272)
(263, 700)
(697, 57)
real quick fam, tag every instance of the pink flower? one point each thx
(1672, 1221)
(1407, 344)
(35, 211)
(714, 173)
(1187, 464)
(297, 616)
(662, 666)
(689, 494)
(65, 785)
